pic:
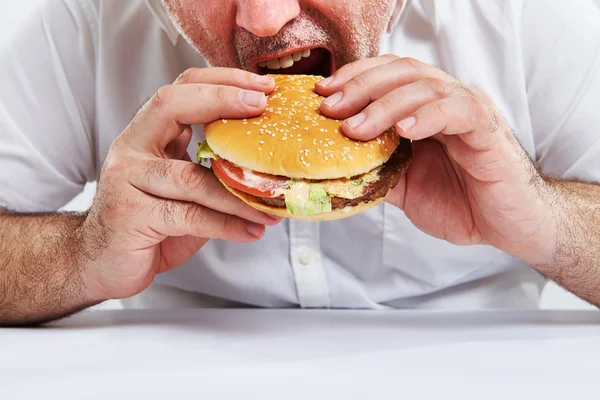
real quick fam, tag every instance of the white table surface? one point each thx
(293, 354)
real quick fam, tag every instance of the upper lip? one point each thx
(253, 63)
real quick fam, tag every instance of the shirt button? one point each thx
(306, 257)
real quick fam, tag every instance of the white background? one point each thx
(12, 13)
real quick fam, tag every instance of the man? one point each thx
(499, 97)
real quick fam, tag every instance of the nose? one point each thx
(266, 17)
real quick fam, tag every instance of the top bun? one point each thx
(291, 138)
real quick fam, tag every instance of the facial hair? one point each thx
(349, 38)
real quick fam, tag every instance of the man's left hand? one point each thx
(470, 181)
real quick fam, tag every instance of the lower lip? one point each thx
(320, 62)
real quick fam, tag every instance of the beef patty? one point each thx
(389, 176)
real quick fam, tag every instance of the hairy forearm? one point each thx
(40, 268)
(576, 262)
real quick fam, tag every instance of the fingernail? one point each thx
(325, 82)
(333, 99)
(253, 99)
(356, 120)
(262, 79)
(273, 217)
(407, 123)
(256, 230)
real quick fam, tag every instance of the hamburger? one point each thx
(294, 162)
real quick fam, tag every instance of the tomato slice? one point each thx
(248, 181)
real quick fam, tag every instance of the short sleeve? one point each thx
(561, 52)
(47, 108)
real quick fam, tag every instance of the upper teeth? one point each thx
(285, 61)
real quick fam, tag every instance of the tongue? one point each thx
(316, 64)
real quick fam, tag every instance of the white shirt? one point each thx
(72, 78)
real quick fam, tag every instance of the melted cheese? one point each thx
(343, 188)
(349, 189)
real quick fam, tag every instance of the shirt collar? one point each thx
(159, 12)
(398, 11)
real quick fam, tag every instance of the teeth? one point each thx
(273, 64)
(285, 61)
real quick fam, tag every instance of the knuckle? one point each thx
(194, 215)
(475, 108)
(192, 177)
(412, 62)
(226, 226)
(158, 170)
(221, 93)
(112, 170)
(186, 76)
(440, 109)
(463, 90)
(167, 212)
(161, 97)
(357, 82)
(385, 104)
(391, 57)
(438, 87)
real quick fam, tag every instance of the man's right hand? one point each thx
(154, 207)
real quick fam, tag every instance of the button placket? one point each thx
(307, 265)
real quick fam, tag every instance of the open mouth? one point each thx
(316, 61)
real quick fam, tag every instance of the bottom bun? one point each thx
(283, 212)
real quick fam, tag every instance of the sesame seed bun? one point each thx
(291, 138)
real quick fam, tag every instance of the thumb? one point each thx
(176, 250)
(397, 195)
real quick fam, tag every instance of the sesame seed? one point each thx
(299, 139)
(260, 149)
(271, 154)
(248, 133)
(224, 121)
(326, 158)
(264, 126)
(261, 142)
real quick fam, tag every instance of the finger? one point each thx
(372, 84)
(457, 115)
(332, 84)
(397, 194)
(395, 106)
(190, 182)
(179, 249)
(165, 116)
(177, 149)
(177, 218)
(227, 76)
